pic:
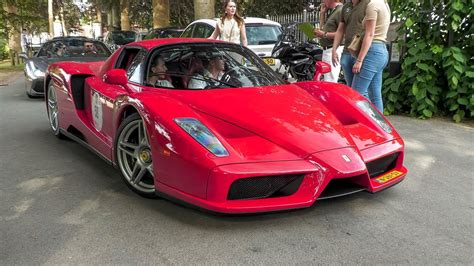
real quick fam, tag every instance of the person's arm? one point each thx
(328, 35)
(243, 35)
(337, 41)
(369, 26)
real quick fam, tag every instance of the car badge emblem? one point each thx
(346, 158)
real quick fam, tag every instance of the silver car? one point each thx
(78, 49)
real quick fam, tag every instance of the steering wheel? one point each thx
(90, 53)
(227, 75)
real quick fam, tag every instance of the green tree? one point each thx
(161, 13)
(18, 14)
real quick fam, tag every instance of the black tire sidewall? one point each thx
(56, 132)
(125, 122)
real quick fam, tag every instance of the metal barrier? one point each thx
(305, 16)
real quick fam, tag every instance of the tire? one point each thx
(133, 156)
(53, 111)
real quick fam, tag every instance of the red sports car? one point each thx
(209, 124)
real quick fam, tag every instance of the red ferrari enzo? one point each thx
(209, 124)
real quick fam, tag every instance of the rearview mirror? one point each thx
(116, 77)
(321, 68)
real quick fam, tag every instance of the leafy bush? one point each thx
(437, 74)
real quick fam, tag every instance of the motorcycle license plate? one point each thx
(269, 61)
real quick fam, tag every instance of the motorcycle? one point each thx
(300, 60)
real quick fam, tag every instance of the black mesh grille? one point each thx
(382, 165)
(77, 88)
(39, 87)
(264, 187)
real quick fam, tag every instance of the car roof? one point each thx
(248, 20)
(118, 31)
(150, 44)
(68, 38)
(167, 28)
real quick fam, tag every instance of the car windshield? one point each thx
(208, 66)
(74, 48)
(259, 34)
(123, 37)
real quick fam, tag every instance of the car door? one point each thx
(101, 97)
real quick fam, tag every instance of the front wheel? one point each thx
(53, 111)
(133, 156)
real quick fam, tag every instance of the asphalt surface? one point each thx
(60, 204)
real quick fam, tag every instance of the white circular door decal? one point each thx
(97, 111)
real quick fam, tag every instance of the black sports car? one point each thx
(78, 49)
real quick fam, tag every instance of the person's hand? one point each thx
(322, 8)
(356, 67)
(319, 33)
(335, 57)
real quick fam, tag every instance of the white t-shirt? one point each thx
(229, 30)
(199, 81)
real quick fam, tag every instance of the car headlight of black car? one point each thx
(33, 71)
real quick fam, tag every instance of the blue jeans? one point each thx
(347, 62)
(369, 81)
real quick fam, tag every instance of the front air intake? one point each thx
(382, 165)
(264, 187)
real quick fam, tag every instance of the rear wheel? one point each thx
(53, 112)
(133, 156)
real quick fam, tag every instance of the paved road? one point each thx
(60, 204)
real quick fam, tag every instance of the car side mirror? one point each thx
(116, 77)
(321, 68)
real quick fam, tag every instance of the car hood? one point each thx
(285, 115)
(43, 63)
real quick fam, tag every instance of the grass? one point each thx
(6, 66)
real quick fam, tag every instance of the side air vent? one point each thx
(265, 187)
(77, 89)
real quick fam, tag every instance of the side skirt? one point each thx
(83, 143)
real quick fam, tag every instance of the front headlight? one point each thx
(202, 135)
(367, 108)
(38, 73)
(35, 71)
